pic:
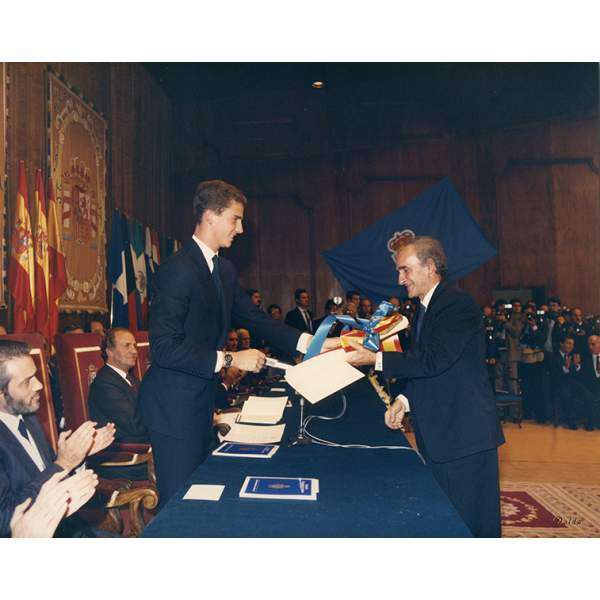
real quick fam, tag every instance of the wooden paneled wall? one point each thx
(139, 118)
(534, 190)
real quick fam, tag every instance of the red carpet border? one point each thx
(565, 510)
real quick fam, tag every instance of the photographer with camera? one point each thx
(531, 368)
(510, 318)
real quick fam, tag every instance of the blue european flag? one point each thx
(366, 262)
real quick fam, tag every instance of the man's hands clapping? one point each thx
(74, 447)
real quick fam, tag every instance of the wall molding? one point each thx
(515, 163)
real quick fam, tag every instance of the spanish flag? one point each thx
(57, 271)
(42, 270)
(21, 278)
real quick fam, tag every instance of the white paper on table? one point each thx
(255, 434)
(204, 492)
(263, 410)
(322, 375)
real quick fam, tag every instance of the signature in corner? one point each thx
(567, 520)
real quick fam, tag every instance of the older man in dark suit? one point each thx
(197, 298)
(113, 393)
(448, 390)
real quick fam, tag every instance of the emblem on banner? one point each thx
(399, 240)
(91, 373)
(80, 213)
(23, 239)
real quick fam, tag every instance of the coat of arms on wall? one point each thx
(78, 168)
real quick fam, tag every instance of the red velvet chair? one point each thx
(113, 496)
(79, 360)
(143, 348)
(45, 414)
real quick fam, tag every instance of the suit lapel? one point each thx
(17, 450)
(429, 312)
(199, 262)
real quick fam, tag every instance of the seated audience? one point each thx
(26, 459)
(231, 343)
(95, 326)
(568, 392)
(113, 393)
(255, 297)
(331, 308)
(365, 308)
(243, 339)
(72, 329)
(274, 311)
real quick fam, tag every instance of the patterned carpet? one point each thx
(565, 510)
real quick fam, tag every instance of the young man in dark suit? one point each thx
(197, 299)
(300, 318)
(448, 391)
(26, 459)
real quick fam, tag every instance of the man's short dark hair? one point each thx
(515, 300)
(564, 338)
(298, 292)
(215, 195)
(110, 339)
(351, 293)
(9, 350)
(429, 248)
(271, 307)
(554, 299)
(251, 292)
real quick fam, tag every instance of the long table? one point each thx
(363, 492)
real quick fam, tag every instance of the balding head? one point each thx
(594, 344)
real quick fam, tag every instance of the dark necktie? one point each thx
(217, 276)
(133, 381)
(307, 321)
(23, 429)
(597, 365)
(420, 317)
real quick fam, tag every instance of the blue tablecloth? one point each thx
(363, 492)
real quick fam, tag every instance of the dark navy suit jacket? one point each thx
(112, 399)
(187, 325)
(451, 399)
(19, 476)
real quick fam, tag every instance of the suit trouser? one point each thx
(472, 486)
(176, 458)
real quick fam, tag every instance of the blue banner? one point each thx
(116, 274)
(366, 262)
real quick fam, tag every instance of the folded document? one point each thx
(263, 410)
(280, 488)
(255, 434)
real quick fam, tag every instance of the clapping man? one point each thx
(26, 459)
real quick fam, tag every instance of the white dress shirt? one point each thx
(209, 253)
(122, 373)
(12, 422)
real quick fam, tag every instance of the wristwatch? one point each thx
(227, 359)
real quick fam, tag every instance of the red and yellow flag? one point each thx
(57, 271)
(21, 279)
(42, 271)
